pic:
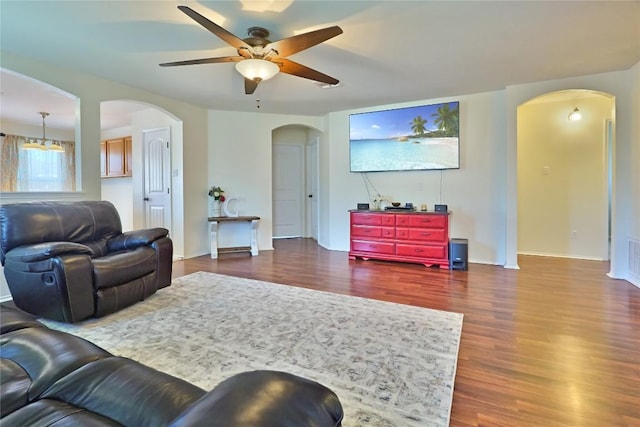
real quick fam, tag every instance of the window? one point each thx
(36, 170)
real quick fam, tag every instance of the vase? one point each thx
(215, 208)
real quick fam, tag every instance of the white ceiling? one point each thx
(390, 52)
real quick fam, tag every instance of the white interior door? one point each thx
(312, 189)
(288, 189)
(157, 179)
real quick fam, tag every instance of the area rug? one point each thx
(390, 364)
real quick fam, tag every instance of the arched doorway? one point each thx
(295, 181)
(564, 171)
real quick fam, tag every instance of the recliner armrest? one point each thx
(136, 238)
(43, 251)
(266, 399)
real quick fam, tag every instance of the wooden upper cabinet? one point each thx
(127, 156)
(115, 157)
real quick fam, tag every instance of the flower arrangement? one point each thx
(217, 193)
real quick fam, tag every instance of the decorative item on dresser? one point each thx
(407, 236)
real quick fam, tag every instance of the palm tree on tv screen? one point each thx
(446, 120)
(417, 126)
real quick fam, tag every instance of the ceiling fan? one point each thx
(260, 59)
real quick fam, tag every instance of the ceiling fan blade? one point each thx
(250, 86)
(289, 67)
(294, 44)
(215, 28)
(204, 61)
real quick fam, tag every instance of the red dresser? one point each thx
(419, 237)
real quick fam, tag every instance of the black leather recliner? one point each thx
(68, 261)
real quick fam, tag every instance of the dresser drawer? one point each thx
(367, 218)
(422, 251)
(402, 220)
(402, 233)
(369, 231)
(365, 231)
(374, 247)
(425, 234)
(428, 221)
(388, 232)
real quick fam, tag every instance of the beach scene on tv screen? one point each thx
(414, 138)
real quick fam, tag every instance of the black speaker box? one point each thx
(459, 254)
(440, 208)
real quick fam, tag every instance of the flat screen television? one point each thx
(425, 137)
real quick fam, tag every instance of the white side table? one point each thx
(214, 223)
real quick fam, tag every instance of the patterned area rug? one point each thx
(390, 364)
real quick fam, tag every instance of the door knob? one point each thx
(146, 199)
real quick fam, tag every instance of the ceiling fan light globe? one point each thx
(260, 69)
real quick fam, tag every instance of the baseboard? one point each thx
(561, 256)
(634, 280)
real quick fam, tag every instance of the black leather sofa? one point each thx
(68, 261)
(51, 378)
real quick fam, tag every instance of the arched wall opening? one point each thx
(36, 113)
(130, 118)
(565, 174)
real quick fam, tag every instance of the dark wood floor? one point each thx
(556, 343)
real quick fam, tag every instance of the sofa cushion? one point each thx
(14, 386)
(121, 267)
(126, 391)
(47, 355)
(53, 413)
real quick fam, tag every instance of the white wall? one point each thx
(562, 177)
(482, 194)
(633, 229)
(240, 162)
(474, 193)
